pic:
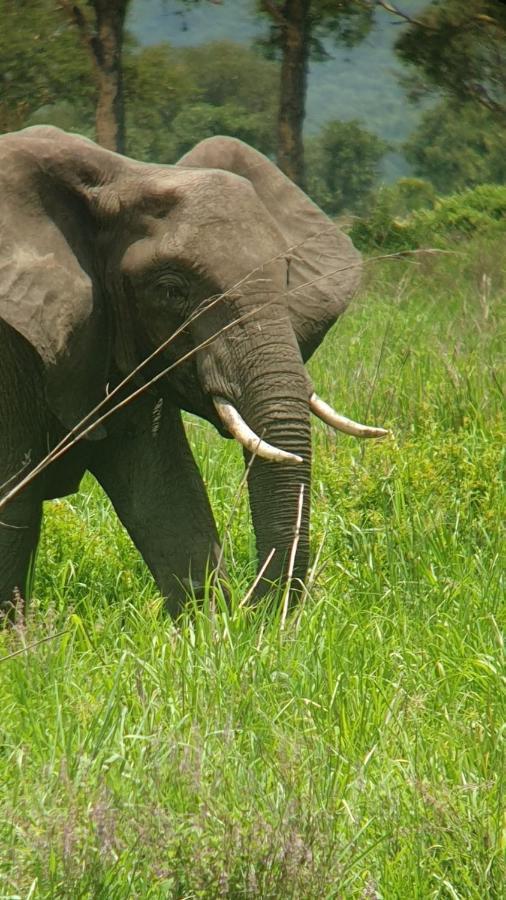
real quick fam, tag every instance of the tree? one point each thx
(297, 28)
(343, 166)
(68, 52)
(460, 49)
(41, 64)
(158, 85)
(172, 97)
(458, 145)
(202, 120)
(175, 97)
(100, 24)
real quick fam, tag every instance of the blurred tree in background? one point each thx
(459, 49)
(71, 63)
(42, 64)
(176, 97)
(457, 52)
(170, 97)
(458, 145)
(100, 25)
(343, 166)
(63, 56)
(296, 31)
(157, 86)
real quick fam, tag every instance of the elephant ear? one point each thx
(324, 267)
(48, 289)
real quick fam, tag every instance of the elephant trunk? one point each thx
(276, 406)
(256, 377)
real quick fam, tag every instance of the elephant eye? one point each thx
(175, 289)
(175, 294)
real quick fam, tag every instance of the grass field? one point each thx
(358, 752)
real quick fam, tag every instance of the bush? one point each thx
(480, 209)
(458, 146)
(407, 195)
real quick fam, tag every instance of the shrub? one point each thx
(409, 194)
(461, 215)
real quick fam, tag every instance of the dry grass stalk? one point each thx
(249, 593)
(28, 647)
(293, 553)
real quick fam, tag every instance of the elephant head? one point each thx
(104, 259)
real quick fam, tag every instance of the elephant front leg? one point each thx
(147, 469)
(19, 534)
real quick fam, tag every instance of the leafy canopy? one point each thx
(459, 48)
(177, 97)
(173, 97)
(343, 165)
(458, 145)
(345, 21)
(41, 63)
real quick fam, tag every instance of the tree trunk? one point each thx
(107, 47)
(295, 46)
(102, 37)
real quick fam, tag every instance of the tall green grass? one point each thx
(357, 752)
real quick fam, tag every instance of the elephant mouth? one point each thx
(221, 412)
(237, 428)
(235, 424)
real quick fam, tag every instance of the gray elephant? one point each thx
(220, 261)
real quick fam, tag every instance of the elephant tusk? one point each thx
(341, 423)
(235, 424)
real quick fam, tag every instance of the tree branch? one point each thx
(395, 11)
(76, 17)
(273, 10)
(479, 93)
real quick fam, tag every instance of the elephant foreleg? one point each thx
(19, 534)
(23, 441)
(147, 469)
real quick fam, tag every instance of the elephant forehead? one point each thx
(221, 243)
(218, 202)
(210, 222)
(227, 234)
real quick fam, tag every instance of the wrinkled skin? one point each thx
(102, 258)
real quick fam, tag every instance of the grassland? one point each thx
(358, 752)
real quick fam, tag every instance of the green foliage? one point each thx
(176, 97)
(343, 165)
(238, 95)
(202, 120)
(41, 63)
(346, 22)
(459, 48)
(357, 752)
(64, 115)
(157, 86)
(173, 97)
(231, 72)
(407, 195)
(452, 219)
(458, 146)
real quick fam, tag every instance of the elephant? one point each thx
(131, 291)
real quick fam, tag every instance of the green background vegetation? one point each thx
(197, 69)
